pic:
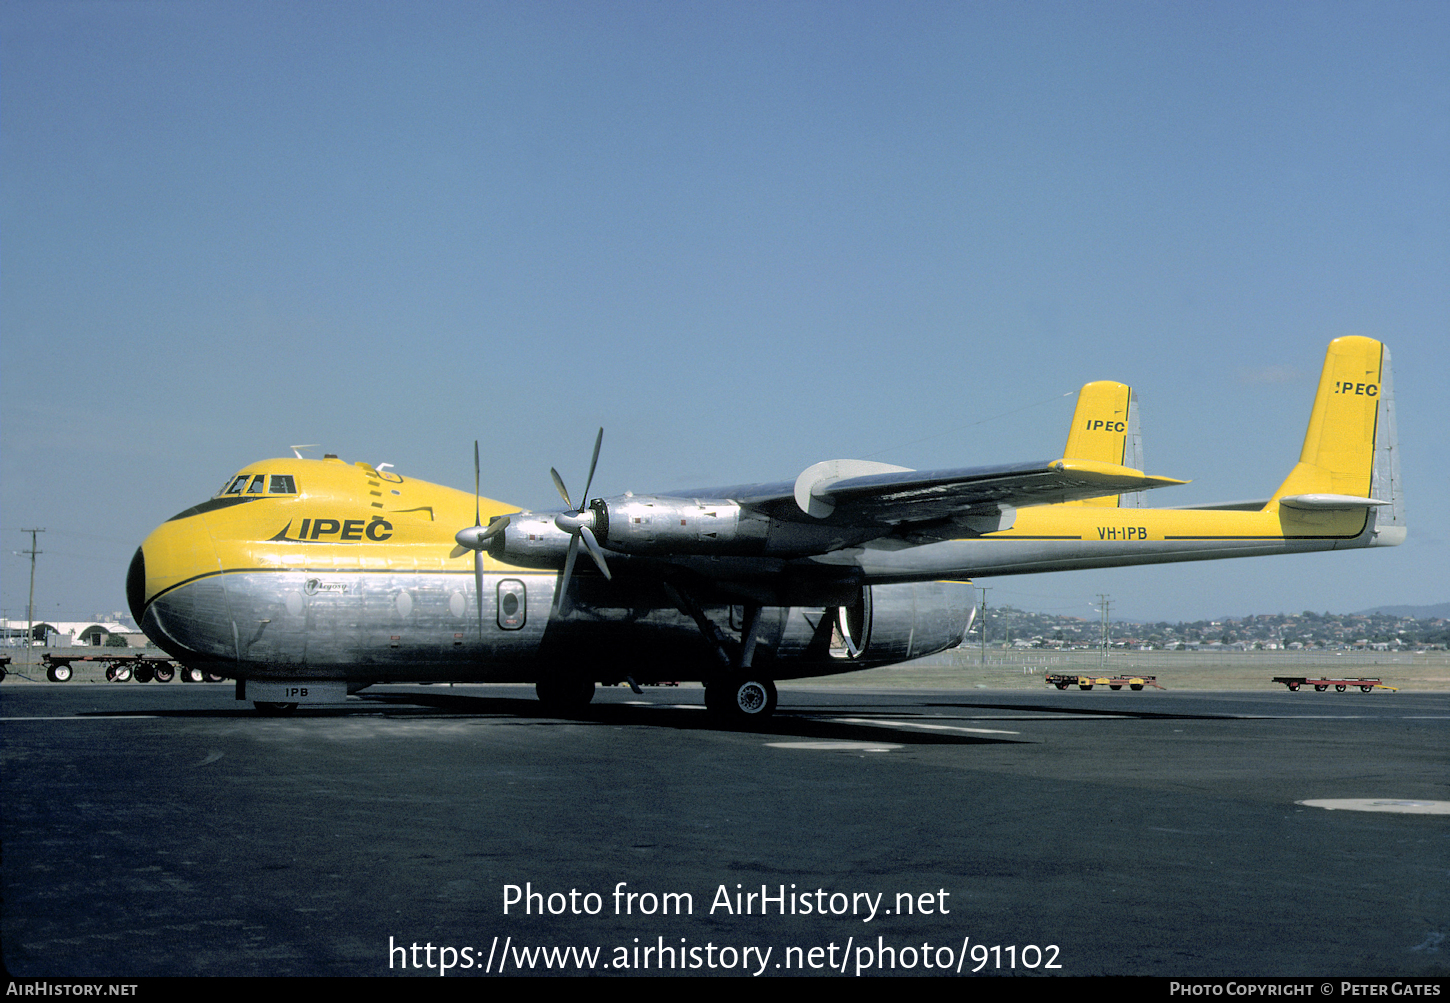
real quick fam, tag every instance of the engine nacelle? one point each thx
(650, 524)
(531, 541)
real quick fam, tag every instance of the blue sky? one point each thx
(741, 237)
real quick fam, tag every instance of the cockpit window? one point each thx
(256, 484)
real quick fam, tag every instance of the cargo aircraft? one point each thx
(305, 580)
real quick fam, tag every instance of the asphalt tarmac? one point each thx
(169, 830)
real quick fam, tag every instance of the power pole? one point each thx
(984, 626)
(1106, 604)
(30, 615)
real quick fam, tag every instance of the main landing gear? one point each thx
(741, 697)
(738, 693)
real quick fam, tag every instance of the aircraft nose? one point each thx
(136, 587)
(164, 585)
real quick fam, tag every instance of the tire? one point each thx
(164, 673)
(742, 698)
(212, 677)
(1339, 688)
(1293, 687)
(1117, 687)
(192, 675)
(273, 709)
(1061, 686)
(142, 673)
(565, 695)
(1366, 689)
(123, 674)
(1320, 689)
(59, 673)
(1135, 686)
(1084, 686)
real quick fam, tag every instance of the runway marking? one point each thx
(85, 717)
(1380, 804)
(849, 746)
(920, 724)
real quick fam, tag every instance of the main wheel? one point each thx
(565, 694)
(742, 698)
(267, 709)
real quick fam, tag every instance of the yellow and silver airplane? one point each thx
(305, 580)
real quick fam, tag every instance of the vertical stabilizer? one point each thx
(1350, 452)
(1105, 427)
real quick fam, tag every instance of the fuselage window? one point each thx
(282, 484)
(257, 483)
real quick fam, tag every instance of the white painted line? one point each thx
(916, 724)
(1381, 804)
(85, 717)
(849, 746)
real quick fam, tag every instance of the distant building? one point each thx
(68, 633)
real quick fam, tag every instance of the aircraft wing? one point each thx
(910, 496)
(862, 493)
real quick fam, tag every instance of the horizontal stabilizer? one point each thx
(1329, 503)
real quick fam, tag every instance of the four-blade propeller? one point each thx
(578, 522)
(477, 537)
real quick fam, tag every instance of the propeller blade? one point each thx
(476, 520)
(593, 462)
(478, 587)
(561, 598)
(559, 483)
(594, 550)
